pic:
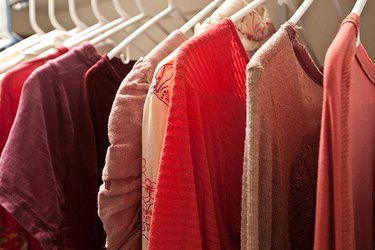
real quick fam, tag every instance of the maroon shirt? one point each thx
(10, 92)
(101, 84)
(48, 168)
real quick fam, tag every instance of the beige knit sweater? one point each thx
(284, 106)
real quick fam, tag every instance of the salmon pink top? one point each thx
(345, 203)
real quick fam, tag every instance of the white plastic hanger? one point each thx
(256, 3)
(120, 47)
(300, 11)
(32, 18)
(245, 10)
(31, 40)
(74, 41)
(98, 15)
(357, 9)
(74, 16)
(195, 19)
(120, 10)
(118, 28)
(101, 21)
(109, 29)
(126, 15)
(52, 16)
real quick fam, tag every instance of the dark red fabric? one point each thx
(48, 170)
(198, 195)
(11, 233)
(101, 84)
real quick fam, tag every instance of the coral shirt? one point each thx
(345, 202)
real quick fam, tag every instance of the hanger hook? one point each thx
(120, 10)
(98, 15)
(52, 15)
(32, 17)
(73, 14)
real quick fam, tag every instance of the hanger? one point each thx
(126, 15)
(120, 10)
(300, 11)
(52, 16)
(256, 3)
(136, 19)
(195, 19)
(245, 10)
(32, 18)
(74, 16)
(357, 9)
(109, 29)
(101, 21)
(74, 41)
(98, 15)
(168, 11)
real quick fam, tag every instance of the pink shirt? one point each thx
(344, 211)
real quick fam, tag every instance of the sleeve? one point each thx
(256, 207)
(31, 165)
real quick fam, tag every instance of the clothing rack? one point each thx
(320, 23)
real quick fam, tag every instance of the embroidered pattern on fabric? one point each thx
(162, 88)
(148, 193)
(254, 28)
(302, 198)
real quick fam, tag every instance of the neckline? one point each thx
(237, 38)
(365, 62)
(303, 56)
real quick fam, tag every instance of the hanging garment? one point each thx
(157, 101)
(284, 106)
(345, 202)
(101, 84)
(48, 170)
(51, 40)
(120, 195)
(198, 193)
(10, 91)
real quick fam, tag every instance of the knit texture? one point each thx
(120, 195)
(10, 92)
(48, 166)
(345, 202)
(198, 193)
(284, 105)
(157, 102)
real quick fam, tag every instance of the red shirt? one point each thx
(10, 89)
(198, 193)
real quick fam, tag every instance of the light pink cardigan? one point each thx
(120, 195)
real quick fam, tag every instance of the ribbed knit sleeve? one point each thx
(198, 194)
